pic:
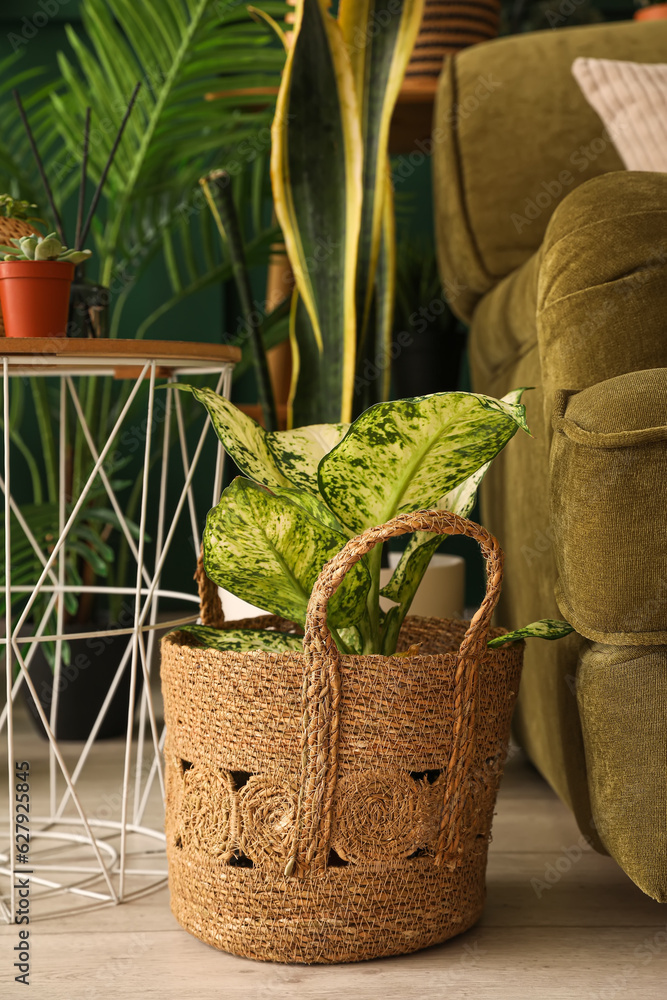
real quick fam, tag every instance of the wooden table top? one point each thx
(97, 350)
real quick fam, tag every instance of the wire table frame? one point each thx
(91, 860)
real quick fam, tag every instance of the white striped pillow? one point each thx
(631, 100)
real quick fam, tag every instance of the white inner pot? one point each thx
(441, 593)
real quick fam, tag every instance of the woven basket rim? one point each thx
(179, 639)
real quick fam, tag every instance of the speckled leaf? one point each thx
(422, 544)
(244, 640)
(243, 438)
(313, 505)
(297, 453)
(405, 455)
(269, 552)
(548, 628)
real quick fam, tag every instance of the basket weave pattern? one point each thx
(372, 779)
(447, 27)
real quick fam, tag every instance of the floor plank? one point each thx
(561, 923)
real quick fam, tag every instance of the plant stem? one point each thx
(372, 635)
(40, 166)
(219, 198)
(82, 187)
(107, 165)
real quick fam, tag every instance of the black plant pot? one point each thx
(88, 309)
(84, 684)
(431, 362)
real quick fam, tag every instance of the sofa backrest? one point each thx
(512, 136)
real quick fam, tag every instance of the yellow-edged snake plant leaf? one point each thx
(380, 36)
(316, 148)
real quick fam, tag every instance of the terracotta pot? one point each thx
(656, 12)
(34, 295)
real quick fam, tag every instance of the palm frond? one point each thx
(183, 52)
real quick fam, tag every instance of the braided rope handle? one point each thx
(322, 692)
(211, 612)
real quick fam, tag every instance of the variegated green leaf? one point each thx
(405, 455)
(313, 505)
(243, 438)
(274, 458)
(297, 453)
(351, 638)
(417, 555)
(548, 628)
(243, 640)
(268, 551)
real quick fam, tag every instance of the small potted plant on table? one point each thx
(35, 279)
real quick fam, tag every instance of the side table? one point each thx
(73, 848)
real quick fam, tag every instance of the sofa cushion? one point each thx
(631, 100)
(622, 698)
(512, 136)
(609, 508)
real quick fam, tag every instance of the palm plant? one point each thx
(183, 52)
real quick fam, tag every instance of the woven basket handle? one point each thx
(211, 612)
(322, 692)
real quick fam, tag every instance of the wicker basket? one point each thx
(330, 808)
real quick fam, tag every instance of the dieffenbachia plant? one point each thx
(333, 194)
(305, 492)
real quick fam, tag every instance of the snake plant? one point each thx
(333, 195)
(305, 492)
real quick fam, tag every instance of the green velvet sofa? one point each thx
(557, 257)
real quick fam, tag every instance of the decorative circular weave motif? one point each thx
(379, 816)
(208, 811)
(268, 815)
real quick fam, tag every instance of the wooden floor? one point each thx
(559, 923)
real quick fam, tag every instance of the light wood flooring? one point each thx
(592, 934)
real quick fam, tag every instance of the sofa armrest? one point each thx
(602, 285)
(609, 508)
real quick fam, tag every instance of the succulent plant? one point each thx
(36, 247)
